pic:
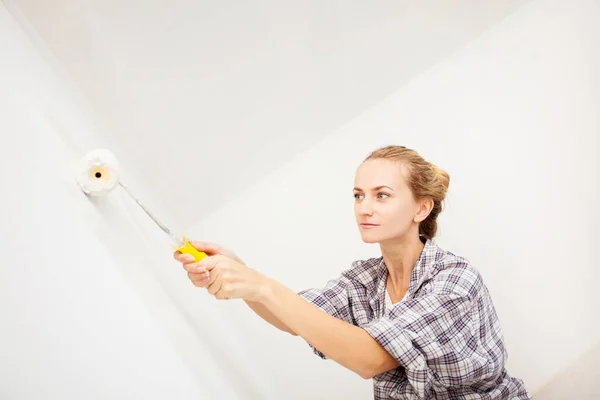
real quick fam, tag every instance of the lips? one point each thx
(365, 225)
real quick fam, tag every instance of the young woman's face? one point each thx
(384, 207)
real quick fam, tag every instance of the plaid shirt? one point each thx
(445, 334)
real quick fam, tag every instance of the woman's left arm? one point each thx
(345, 343)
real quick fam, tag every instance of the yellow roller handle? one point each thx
(187, 248)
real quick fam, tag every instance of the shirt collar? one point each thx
(422, 271)
(372, 273)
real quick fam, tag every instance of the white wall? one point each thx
(188, 79)
(82, 314)
(578, 381)
(514, 118)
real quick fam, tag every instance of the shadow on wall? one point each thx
(578, 381)
(131, 238)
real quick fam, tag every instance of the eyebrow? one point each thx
(375, 188)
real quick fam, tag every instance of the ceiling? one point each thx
(203, 98)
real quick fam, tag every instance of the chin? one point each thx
(367, 238)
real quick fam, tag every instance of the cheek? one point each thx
(400, 215)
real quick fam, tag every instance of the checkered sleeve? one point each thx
(333, 299)
(434, 336)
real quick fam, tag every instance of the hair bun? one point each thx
(441, 177)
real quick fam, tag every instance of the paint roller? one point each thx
(98, 175)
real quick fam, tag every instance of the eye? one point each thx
(381, 194)
(357, 196)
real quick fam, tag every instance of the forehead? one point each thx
(378, 172)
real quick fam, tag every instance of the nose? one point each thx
(365, 207)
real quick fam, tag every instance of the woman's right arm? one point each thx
(212, 249)
(268, 316)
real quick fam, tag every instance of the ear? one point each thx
(425, 207)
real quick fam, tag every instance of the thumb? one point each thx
(209, 263)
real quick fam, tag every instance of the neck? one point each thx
(400, 258)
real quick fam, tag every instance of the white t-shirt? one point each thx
(388, 300)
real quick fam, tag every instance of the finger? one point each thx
(213, 276)
(185, 258)
(199, 279)
(215, 286)
(193, 267)
(210, 249)
(200, 283)
(224, 292)
(209, 263)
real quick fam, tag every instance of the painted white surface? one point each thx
(514, 118)
(82, 314)
(204, 96)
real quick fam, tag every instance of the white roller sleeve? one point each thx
(98, 172)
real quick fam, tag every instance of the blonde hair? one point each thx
(424, 179)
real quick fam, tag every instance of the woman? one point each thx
(418, 320)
